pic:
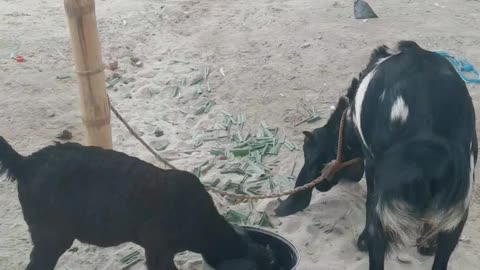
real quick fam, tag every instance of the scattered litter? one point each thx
(248, 217)
(197, 171)
(125, 81)
(264, 221)
(305, 45)
(130, 260)
(214, 183)
(176, 91)
(160, 145)
(236, 217)
(312, 117)
(362, 10)
(246, 156)
(197, 78)
(112, 82)
(112, 65)
(51, 113)
(290, 146)
(135, 61)
(64, 135)
(158, 132)
(176, 61)
(222, 72)
(205, 108)
(64, 77)
(19, 59)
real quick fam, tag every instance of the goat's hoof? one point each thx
(362, 242)
(427, 250)
(292, 205)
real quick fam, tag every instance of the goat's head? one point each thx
(320, 147)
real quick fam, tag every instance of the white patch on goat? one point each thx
(397, 221)
(348, 117)
(362, 90)
(399, 111)
(403, 227)
(381, 60)
(382, 96)
(471, 178)
(392, 52)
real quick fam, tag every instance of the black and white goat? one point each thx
(412, 120)
(106, 198)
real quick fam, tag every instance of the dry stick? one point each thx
(329, 170)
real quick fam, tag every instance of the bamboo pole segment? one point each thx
(94, 105)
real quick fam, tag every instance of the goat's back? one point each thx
(104, 195)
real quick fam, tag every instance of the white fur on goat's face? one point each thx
(399, 111)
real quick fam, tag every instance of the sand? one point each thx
(265, 59)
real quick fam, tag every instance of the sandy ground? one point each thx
(265, 58)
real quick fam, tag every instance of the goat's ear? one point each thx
(342, 105)
(308, 136)
(352, 90)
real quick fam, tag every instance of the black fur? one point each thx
(106, 198)
(422, 162)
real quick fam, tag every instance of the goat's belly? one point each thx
(103, 229)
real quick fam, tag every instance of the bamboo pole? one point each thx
(95, 109)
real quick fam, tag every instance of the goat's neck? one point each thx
(225, 244)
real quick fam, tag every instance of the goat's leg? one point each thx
(426, 247)
(362, 242)
(377, 242)
(49, 243)
(447, 241)
(160, 259)
(154, 238)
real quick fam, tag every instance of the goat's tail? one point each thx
(9, 160)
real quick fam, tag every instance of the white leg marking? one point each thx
(399, 111)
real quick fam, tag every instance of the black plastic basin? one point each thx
(286, 253)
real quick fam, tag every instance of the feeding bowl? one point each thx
(285, 252)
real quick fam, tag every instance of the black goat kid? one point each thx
(105, 198)
(412, 120)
